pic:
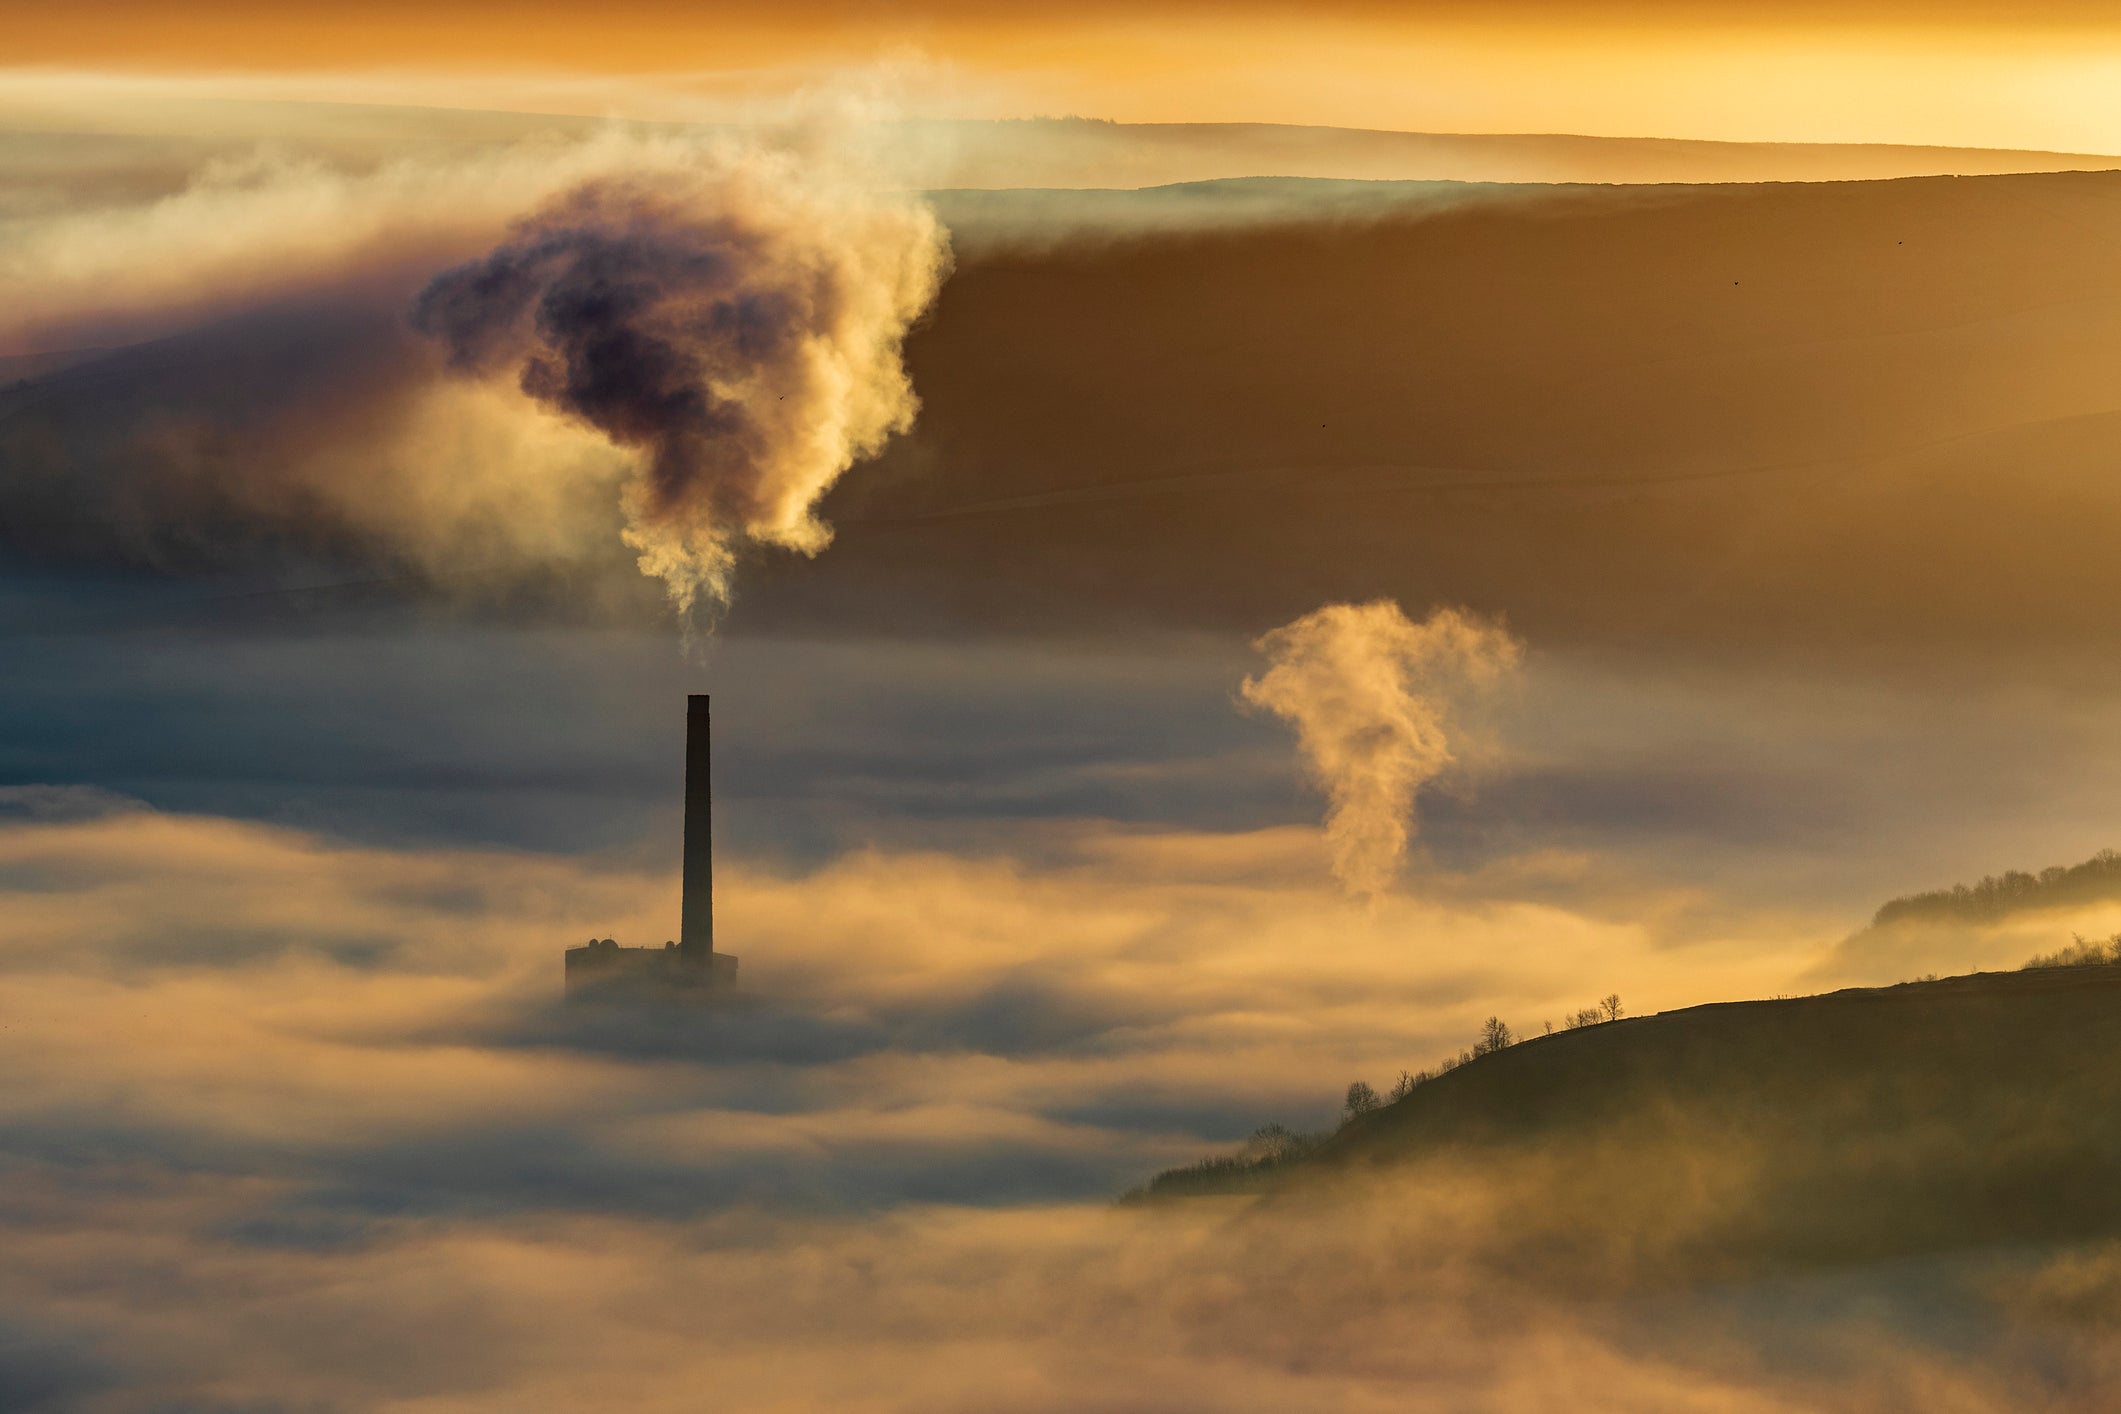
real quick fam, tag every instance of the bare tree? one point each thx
(1610, 1005)
(1403, 1087)
(2082, 952)
(1494, 1036)
(1361, 1099)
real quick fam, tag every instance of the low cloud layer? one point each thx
(1369, 693)
(296, 1124)
(1058, 1029)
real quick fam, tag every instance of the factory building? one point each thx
(689, 967)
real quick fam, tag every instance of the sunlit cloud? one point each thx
(346, 1090)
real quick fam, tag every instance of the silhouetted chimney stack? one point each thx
(696, 922)
(689, 967)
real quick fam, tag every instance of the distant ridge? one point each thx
(1079, 152)
(125, 151)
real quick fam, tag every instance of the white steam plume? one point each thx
(1369, 693)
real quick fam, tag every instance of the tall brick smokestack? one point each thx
(696, 928)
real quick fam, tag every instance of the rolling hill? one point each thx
(1860, 1125)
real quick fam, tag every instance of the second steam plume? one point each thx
(1369, 693)
(736, 325)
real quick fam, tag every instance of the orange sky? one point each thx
(667, 34)
(1954, 74)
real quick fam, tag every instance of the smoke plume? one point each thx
(737, 328)
(1369, 693)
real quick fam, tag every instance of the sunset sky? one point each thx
(1201, 608)
(2025, 76)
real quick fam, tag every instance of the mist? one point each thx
(349, 1118)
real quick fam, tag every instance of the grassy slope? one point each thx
(1862, 1123)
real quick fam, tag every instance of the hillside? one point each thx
(1769, 420)
(1862, 1124)
(1832, 423)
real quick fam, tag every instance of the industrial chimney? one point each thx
(696, 923)
(689, 968)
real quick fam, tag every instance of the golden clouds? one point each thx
(278, 1107)
(273, 985)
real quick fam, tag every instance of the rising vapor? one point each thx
(738, 329)
(1369, 692)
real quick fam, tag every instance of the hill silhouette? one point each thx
(1864, 1124)
(1080, 152)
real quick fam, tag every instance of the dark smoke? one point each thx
(629, 320)
(741, 337)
